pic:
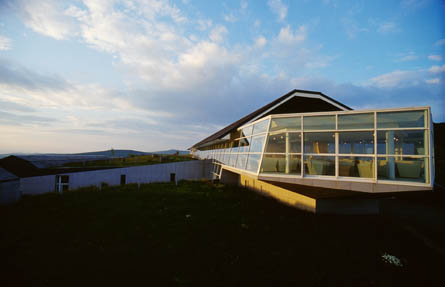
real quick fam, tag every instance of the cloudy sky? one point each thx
(149, 75)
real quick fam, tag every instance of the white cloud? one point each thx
(406, 57)
(433, 81)
(230, 18)
(435, 57)
(204, 24)
(440, 42)
(260, 42)
(286, 36)
(395, 79)
(278, 8)
(257, 23)
(243, 4)
(5, 43)
(352, 28)
(437, 69)
(47, 17)
(218, 33)
(387, 27)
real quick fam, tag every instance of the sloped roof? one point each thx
(6, 176)
(20, 166)
(274, 105)
(48, 161)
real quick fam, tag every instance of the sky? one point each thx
(86, 75)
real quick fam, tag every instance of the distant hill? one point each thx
(114, 153)
(172, 151)
(127, 152)
(106, 153)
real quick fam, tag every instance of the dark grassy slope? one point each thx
(197, 234)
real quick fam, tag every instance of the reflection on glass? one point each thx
(319, 123)
(319, 165)
(401, 142)
(356, 121)
(285, 124)
(319, 143)
(356, 167)
(284, 142)
(403, 169)
(244, 144)
(280, 163)
(356, 142)
(408, 119)
(260, 127)
(235, 146)
(253, 162)
(246, 131)
(257, 144)
(241, 161)
(232, 159)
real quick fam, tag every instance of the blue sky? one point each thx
(150, 75)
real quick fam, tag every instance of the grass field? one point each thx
(200, 234)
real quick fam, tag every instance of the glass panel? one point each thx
(260, 127)
(257, 144)
(226, 158)
(356, 167)
(241, 161)
(319, 143)
(244, 144)
(232, 159)
(319, 165)
(246, 131)
(402, 169)
(356, 142)
(253, 162)
(285, 124)
(280, 163)
(278, 142)
(408, 119)
(319, 123)
(356, 121)
(235, 147)
(402, 142)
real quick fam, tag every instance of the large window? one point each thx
(317, 123)
(356, 121)
(319, 165)
(284, 142)
(356, 142)
(319, 143)
(402, 142)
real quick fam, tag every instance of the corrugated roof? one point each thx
(221, 133)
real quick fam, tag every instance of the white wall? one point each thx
(189, 170)
(9, 191)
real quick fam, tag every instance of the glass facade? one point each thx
(379, 146)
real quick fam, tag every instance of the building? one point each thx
(307, 149)
(30, 175)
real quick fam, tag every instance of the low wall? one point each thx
(186, 170)
(9, 191)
